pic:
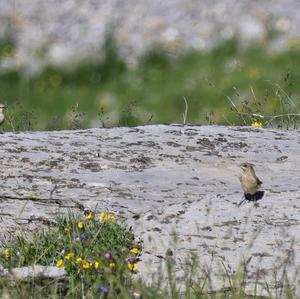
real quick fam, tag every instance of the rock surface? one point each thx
(37, 272)
(177, 186)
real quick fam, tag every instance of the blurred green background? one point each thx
(226, 85)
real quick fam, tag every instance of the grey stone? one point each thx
(34, 272)
(176, 185)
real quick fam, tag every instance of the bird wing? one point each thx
(259, 182)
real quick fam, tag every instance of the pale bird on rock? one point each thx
(2, 117)
(249, 182)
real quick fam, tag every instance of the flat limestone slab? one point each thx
(176, 185)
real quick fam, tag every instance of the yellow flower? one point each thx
(67, 229)
(60, 264)
(69, 256)
(6, 253)
(96, 265)
(112, 265)
(135, 251)
(86, 264)
(89, 216)
(132, 267)
(80, 225)
(79, 260)
(256, 124)
(108, 217)
(102, 216)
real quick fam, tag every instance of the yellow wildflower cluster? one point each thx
(96, 265)
(81, 263)
(106, 217)
(132, 267)
(60, 264)
(6, 253)
(89, 216)
(135, 251)
(80, 225)
(69, 256)
(85, 265)
(256, 124)
(74, 262)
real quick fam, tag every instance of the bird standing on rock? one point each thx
(2, 117)
(250, 182)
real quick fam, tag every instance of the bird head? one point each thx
(246, 166)
(2, 107)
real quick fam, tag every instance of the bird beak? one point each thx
(242, 167)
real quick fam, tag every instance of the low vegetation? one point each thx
(98, 254)
(100, 257)
(227, 85)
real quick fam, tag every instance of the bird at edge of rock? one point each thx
(250, 183)
(2, 117)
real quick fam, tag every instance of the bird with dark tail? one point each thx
(250, 182)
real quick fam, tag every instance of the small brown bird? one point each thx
(250, 182)
(2, 107)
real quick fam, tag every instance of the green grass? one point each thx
(108, 93)
(94, 251)
(100, 256)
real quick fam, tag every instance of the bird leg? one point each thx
(243, 200)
